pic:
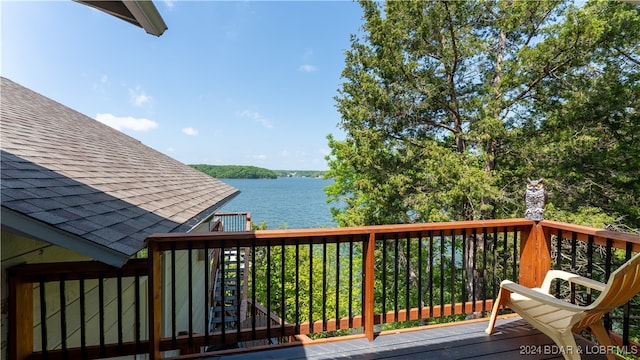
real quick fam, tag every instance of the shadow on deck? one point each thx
(513, 339)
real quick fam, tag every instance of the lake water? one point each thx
(290, 203)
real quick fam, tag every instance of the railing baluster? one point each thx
(337, 244)
(483, 284)
(474, 268)
(574, 245)
(43, 319)
(253, 289)
(420, 298)
(505, 252)
(137, 311)
(515, 254)
(453, 273)
(63, 316)
(282, 288)
(407, 285)
(351, 281)
(494, 282)
(190, 291)
(119, 300)
(384, 278)
(430, 287)
(311, 287)
(83, 322)
(174, 340)
(223, 292)
(101, 312)
(626, 308)
(558, 259)
(396, 273)
(269, 291)
(207, 286)
(607, 272)
(238, 293)
(442, 247)
(465, 274)
(297, 289)
(324, 283)
(589, 265)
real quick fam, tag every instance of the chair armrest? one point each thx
(538, 295)
(573, 278)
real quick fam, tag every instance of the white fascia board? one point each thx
(147, 16)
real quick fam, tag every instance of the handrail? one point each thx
(375, 263)
(600, 236)
(454, 234)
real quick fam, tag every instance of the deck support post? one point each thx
(20, 317)
(535, 255)
(155, 299)
(369, 250)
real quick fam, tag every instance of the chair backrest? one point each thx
(623, 284)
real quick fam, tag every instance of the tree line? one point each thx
(235, 171)
(449, 106)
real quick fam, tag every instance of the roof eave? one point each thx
(204, 215)
(142, 13)
(26, 225)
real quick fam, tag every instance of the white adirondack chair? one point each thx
(559, 319)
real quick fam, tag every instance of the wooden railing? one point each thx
(77, 310)
(318, 281)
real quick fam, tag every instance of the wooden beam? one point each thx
(369, 260)
(535, 256)
(20, 318)
(155, 300)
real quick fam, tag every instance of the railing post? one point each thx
(20, 317)
(535, 255)
(369, 249)
(155, 299)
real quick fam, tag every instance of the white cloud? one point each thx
(190, 131)
(255, 116)
(169, 4)
(260, 157)
(170, 149)
(138, 97)
(307, 68)
(127, 122)
(306, 59)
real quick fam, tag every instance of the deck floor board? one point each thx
(512, 339)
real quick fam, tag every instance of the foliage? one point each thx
(313, 278)
(235, 171)
(449, 106)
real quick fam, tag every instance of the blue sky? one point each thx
(229, 82)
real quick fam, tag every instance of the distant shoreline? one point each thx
(253, 172)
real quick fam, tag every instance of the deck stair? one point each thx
(228, 298)
(229, 292)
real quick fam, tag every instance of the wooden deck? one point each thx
(513, 339)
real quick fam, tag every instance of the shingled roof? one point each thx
(70, 180)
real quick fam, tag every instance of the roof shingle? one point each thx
(72, 172)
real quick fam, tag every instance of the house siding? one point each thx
(18, 249)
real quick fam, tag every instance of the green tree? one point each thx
(235, 171)
(442, 100)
